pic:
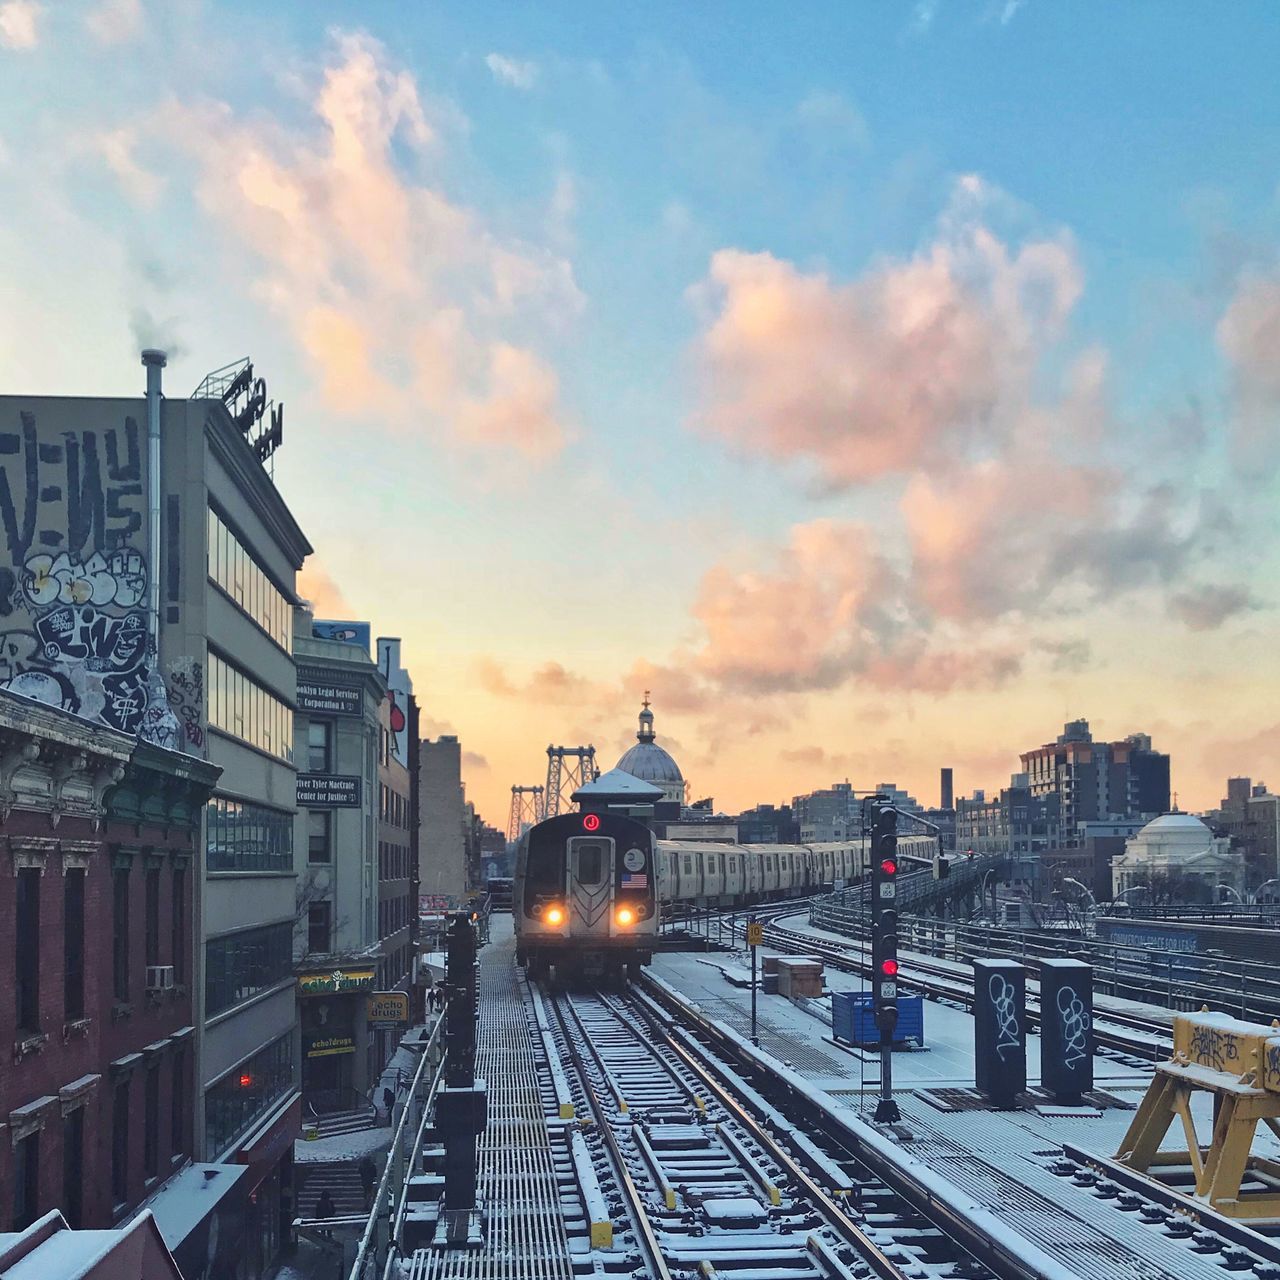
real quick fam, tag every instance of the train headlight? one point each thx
(625, 916)
(555, 914)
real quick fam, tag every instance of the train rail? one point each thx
(713, 1177)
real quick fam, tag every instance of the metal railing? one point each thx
(1184, 981)
(388, 1204)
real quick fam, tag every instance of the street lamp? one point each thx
(1133, 888)
(1231, 889)
(1257, 897)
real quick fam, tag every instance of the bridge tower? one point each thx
(526, 809)
(568, 768)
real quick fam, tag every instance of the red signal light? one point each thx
(889, 968)
(591, 821)
(246, 1081)
(889, 867)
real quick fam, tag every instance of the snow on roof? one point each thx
(193, 1193)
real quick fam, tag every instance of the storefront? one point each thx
(268, 1153)
(335, 1075)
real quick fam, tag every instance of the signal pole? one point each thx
(884, 945)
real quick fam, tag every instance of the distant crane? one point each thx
(526, 809)
(568, 768)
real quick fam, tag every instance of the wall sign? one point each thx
(328, 791)
(354, 633)
(327, 698)
(335, 980)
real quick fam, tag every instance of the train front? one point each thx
(586, 895)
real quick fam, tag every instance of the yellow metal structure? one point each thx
(1238, 1063)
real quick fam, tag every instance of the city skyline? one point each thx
(877, 401)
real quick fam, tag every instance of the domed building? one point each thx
(1178, 845)
(649, 762)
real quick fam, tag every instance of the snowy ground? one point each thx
(343, 1146)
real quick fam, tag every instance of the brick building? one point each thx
(97, 907)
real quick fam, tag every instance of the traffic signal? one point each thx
(884, 919)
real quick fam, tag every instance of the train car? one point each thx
(500, 890)
(586, 895)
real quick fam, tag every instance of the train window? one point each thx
(590, 861)
(688, 864)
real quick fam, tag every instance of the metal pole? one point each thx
(755, 1039)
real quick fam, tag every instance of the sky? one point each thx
(879, 385)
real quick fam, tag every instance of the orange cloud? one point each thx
(352, 252)
(910, 365)
(323, 594)
(1249, 335)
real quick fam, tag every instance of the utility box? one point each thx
(1066, 1028)
(1000, 1029)
(853, 1019)
(799, 976)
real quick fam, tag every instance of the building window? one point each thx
(179, 921)
(319, 927)
(319, 737)
(151, 1130)
(120, 1143)
(247, 1092)
(178, 1105)
(72, 1167)
(120, 933)
(26, 1181)
(318, 843)
(248, 584)
(240, 965)
(240, 706)
(73, 945)
(247, 837)
(152, 940)
(27, 948)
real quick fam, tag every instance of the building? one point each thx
(830, 815)
(1250, 816)
(1097, 781)
(1096, 845)
(442, 860)
(100, 837)
(157, 600)
(340, 739)
(52, 1250)
(1177, 858)
(652, 763)
(1017, 824)
(767, 824)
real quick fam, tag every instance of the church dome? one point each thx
(648, 761)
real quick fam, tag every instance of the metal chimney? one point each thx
(154, 361)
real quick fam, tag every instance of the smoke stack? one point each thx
(948, 796)
(154, 361)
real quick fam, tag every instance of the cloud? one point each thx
(474, 760)
(922, 16)
(1208, 607)
(116, 147)
(323, 594)
(1068, 655)
(832, 121)
(146, 330)
(19, 24)
(115, 21)
(550, 683)
(512, 71)
(1249, 336)
(810, 756)
(915, 364)
(409, 310)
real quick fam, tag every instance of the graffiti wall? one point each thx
(74, 572)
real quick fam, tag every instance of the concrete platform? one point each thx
(1001, 1160)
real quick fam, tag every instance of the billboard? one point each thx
(355, 633)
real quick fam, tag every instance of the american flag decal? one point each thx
(635, 880)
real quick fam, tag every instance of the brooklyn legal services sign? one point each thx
(326, 698)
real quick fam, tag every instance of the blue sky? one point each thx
(594, 233)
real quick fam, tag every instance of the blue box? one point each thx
(853, 1018)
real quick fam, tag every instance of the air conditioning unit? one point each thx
(159, 977)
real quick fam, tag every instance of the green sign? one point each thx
(325, 984)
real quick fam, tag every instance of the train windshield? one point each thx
(590, 855)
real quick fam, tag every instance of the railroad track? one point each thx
(711, 1179)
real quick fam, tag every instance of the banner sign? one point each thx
(389, 1009)
(328, 791)
(336, 980)
(327, 698)
(354, 633)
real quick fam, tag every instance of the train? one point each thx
(590, 887)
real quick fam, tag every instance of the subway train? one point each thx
(589, 887)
